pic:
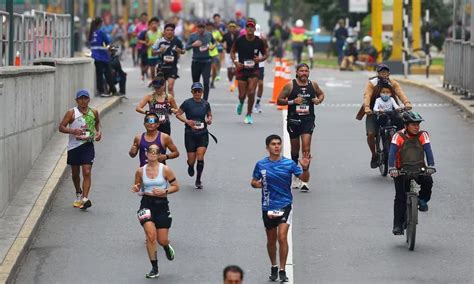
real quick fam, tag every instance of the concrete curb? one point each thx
(456, 100)
(18, 250)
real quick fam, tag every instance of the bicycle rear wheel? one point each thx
(382, 153)
(411, 219)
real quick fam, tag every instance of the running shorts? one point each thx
(82, 155)
(261, 73)
(193, 141)
(170, 72)
(296, 130)
(244, 74)
(274, 222)
(160, 211)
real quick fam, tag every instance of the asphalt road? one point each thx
(341, 228)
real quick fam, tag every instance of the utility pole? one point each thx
(11, 31)
(71, 12)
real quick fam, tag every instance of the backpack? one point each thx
(412, 154)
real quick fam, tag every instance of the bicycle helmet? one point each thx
(367, 39)
(350, 40)
(299, 23)
(411, 116)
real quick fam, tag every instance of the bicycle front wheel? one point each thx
(411, 219)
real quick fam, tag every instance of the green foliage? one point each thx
(329, 12)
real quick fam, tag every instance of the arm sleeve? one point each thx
(256, 172)
(392, 155)
(377, 105)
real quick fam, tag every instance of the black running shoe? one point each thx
(152, 274)
(373, 162)
(198, 184)
(169, 252)
(304, 187)
(282, 274)
(191, 170)
(274, 273)
(397, 231)
(86, 204)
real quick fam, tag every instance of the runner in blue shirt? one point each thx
(273, 175)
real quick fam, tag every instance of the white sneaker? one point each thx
(296, 184)
(257, 108)
(78, 201)
(106, 95)
(304, 186)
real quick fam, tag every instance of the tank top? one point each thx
(144, 146)
(162, 109)
(158, 182)
(86, 122)
(304, 111)
(153, 37)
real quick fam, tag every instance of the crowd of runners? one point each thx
(243, 49)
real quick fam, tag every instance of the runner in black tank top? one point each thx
(300, 95)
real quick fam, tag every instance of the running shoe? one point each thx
(282, 275)
(212, 86)
(296, 183)
(104, 95)
(304, 187)
(218, 78)
(257, 108)
(152, 274)
(86, 203)
(232, 87)
(77, 202)
(240, 106)
(274, 273)
(250, 119)
(169, 252)
(422, 205)
(198, 184)
(191, 170)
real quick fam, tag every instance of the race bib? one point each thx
(275, 213)
(203, 48)
(302, 109)
(168, 58)
(249, 63)
(199, 124)
(144, 214)
(161, 118)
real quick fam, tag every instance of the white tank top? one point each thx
(80, 122)
(158, 182)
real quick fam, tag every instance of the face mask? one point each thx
(385, 97)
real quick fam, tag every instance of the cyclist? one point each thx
(407, 151)
(273, 175)
(248, 48)
(152, 136)
(297, 40)
(159, 102)
(155, 181)
(229, 38)
(301, 95)
(169, 48)
(385, 103)
(196, 136)
(371, 93)
(201, 41)
(82, 123)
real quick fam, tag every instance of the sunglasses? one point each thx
(153, 151)
(151, 120)
(196, 91)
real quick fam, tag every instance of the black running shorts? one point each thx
(296, 130)
(261, 73)
(82, 155)
(160, 211)
(244, 74)
(193, 141)
(274, 222)
(170, 72)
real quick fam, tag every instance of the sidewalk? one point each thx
(435, 84)
(25, 211)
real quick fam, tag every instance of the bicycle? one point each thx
(411, 214)
(383, 139)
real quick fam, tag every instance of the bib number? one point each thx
(199, 125)
(144, 215)
(249, 63)
(302, 109)
(162, 118)
(275, 213)
(168, 58)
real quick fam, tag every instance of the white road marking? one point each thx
(287, 154)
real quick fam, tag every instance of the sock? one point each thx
(258, 101)
(242, 101)
(154, 264)
(199, 167)
(295, 157)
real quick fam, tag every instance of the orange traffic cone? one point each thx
(17, 59)
(285, 78)
(276, 77)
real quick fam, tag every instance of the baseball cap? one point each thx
(196, 85)
(382, 66)
(201, 23)
(170, 25)
(250, 23)
(82, 93)
(158, 83)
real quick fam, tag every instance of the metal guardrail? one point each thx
(459, 67)
(42, 35)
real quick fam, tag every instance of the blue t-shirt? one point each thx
(276, 179)
(196, 111)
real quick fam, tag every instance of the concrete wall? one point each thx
(33, 100)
